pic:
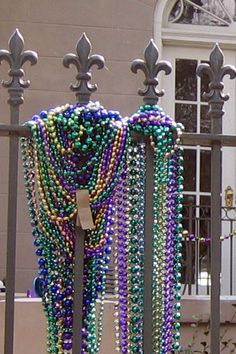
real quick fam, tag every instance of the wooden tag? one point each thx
(84, 217)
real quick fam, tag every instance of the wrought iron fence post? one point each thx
(16, 57)
(83, 89)
(216, 71)
(189, 253)
(151, 67)
(231, 241)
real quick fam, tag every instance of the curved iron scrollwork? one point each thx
(83, 62)
(229, 213)
(151, 67)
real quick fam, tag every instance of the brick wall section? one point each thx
(119, 30)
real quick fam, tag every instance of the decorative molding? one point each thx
(202, 12)
(177, 35)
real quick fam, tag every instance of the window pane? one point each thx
(205, 171)
(205, 234)
(205, 216)
(189, 199)
(186, 80)
(189, 216)
(187, 115)
(189, 170)
(205, 124)
(189, 213)
(205, 200)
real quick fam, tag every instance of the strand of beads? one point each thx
(121, 265)
(57, 244)
(176, 186)
(129, 253)
(171, 217)
(163, 133)
(187, 237)
(47, 255)
(159, 241)
(136, 178)
(172, 264)
(96, 261)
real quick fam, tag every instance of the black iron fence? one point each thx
(197, 255)
(197, 238)
(196, 262)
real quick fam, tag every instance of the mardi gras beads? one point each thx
(72, 147)
(163, 134)
(87, 147)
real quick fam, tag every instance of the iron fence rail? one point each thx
(197, 238)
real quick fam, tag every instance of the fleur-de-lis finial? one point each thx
(216, 71)
(151, 68)
(16, 57)
(83, 62)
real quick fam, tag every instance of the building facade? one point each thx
(119, 30)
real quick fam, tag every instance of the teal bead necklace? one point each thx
(164, 134)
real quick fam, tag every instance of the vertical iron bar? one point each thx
(11, 236)
(208, 268)
(197, 266)
(190, 255)
(148, 241)
(208, 257)
(185, 280)
(15, 57)
(215, 246)
(83, 60)
(190, 244)
(231, 258)
(198, 248)
(151, 68)
(78, 290)
(216, 128)
(216, 72)
(188, 265)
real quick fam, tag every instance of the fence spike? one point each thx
(216, 70)
(16, 57)
(151, 67)
(83, 62)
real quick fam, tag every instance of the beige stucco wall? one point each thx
(30, 319)
(119, 30)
